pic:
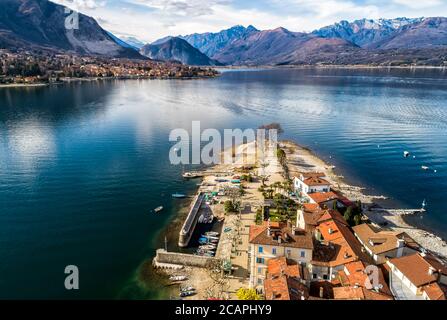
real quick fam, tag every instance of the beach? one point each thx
(303, 159)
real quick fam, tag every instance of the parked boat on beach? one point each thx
(178, 278)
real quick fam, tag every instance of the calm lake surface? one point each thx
(82, 165)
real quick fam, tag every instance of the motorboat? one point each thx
(184, 294)
(158, 209)
(425, 168)
(178, 278)
(406, 154)
(178, 195)
(212, 233)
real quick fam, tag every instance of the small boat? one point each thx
(425, 168)
(189, 288)
(178, 278)
(184, 294)
(158, 209)
(210, 237)
(212, 233)
(178, 195)
(208, 247)
(424, 204)
(406, 154)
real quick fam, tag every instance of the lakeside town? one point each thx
(289, 228)
(31, 68)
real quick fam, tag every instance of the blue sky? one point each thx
(149, 20)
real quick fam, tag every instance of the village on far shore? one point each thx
(289, 228)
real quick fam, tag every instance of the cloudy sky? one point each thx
(149, 20)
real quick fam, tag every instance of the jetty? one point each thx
(201, 174)
(400, 212)
(191, 221)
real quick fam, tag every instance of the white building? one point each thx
(307, 183)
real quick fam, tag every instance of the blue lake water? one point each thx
(82, 165)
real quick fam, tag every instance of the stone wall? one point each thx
(183, 259)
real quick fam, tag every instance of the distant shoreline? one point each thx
(310, 66)
(70, 80)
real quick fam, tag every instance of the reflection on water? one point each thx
(82, 165)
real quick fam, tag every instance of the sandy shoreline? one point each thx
(303, 159)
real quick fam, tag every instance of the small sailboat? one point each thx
(158, 209)
(406, 154)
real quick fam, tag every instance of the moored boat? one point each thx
(158, 209)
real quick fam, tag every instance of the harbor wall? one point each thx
(176, 258)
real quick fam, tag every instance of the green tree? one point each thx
(247, 294)
(357, 220)
(348, 214)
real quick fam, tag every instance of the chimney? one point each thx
(268, 228)
(400, 243)
(431, 270)
(330, 231)
(321, 292)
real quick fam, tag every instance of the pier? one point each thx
(400, 212)
(191, 221)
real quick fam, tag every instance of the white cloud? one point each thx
(419, 4)
(81, 4)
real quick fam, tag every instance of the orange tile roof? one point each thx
(299, 239)
(358, 293)
(283, 281)
(434, 291)
(321, 197)
(312, 174)
(415, 268)
(380, 241)
(315, 181)
(340, 246)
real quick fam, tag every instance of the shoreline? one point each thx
(350, 66)
(299, 159)
(389, 216)
(80, 80)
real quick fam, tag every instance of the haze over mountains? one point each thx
(39, 25)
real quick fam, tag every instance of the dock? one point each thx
(191, 221)
(401, 212)
(200, 174)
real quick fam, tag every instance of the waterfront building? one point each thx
(272, 240)
(382, 245)
(417, 277)
(335, 247)
(285, 280)
(311, 182)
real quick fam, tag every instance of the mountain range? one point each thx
(177, 49)
(383, 41)
(40, 25)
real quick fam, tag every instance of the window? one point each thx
(274, 251)
(325, 276)
(288, 252)
(260, 282)
(260, 260)
(259, 270)
(260, 249)
(314, 276)
(303, 254)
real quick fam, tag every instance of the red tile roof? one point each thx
(280, 235)
(283, 281)
(315, 181)
(321, 197)
(415, 268)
